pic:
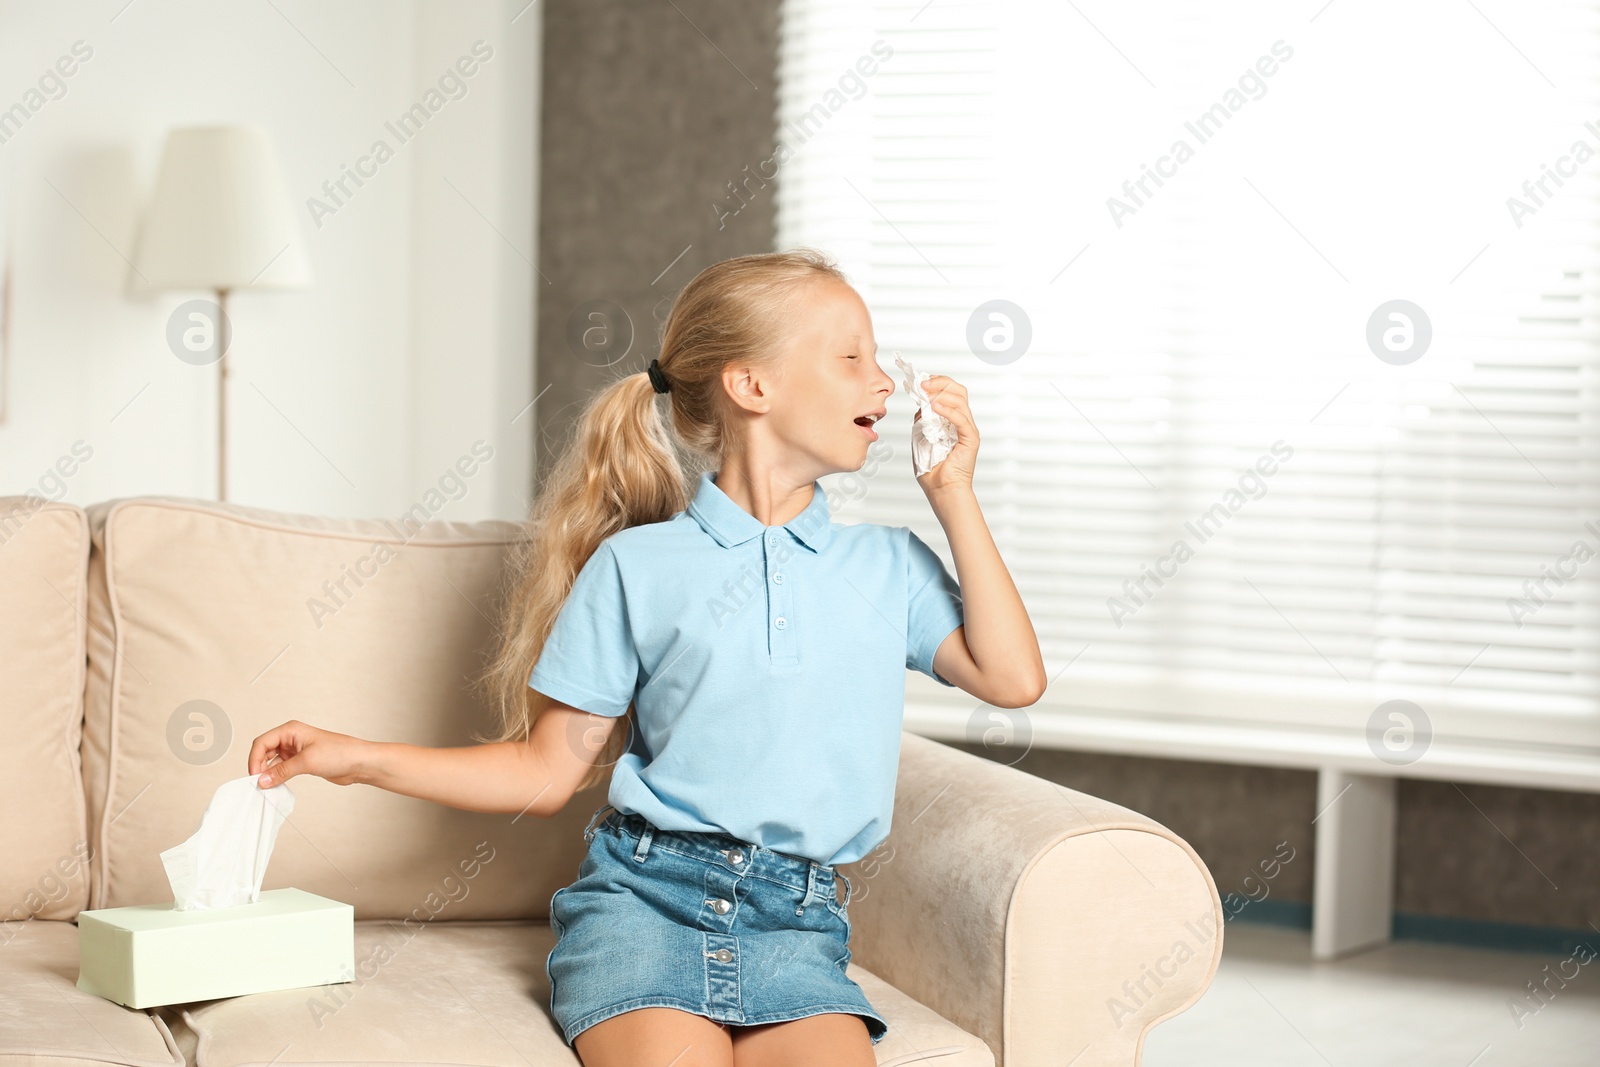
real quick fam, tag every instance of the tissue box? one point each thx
(151, 954)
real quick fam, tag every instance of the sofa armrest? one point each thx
(1055, 926)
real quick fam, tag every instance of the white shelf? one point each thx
(1309, 748)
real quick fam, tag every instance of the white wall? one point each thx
(349, 398)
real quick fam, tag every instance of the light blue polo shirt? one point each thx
(766, 665)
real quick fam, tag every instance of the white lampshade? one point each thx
(221, 217)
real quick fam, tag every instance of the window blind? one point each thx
(1225, 486)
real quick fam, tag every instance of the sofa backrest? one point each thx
(212, 623)
(44, 550)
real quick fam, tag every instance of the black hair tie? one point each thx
(657, 379)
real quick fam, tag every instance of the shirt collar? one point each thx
(732, 525)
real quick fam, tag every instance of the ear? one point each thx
(748, 386)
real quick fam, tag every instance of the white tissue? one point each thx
(933, 435)
(224, 862)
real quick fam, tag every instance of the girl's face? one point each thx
(829, 378)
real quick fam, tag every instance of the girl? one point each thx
(752, 648)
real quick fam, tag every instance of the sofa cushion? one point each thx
(468, 993)
(44, 552)
(216, 622)
(46, 1019)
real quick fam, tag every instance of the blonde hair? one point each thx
(620, 468)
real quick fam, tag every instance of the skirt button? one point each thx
(719, 906)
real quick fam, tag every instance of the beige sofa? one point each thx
(1005, 921)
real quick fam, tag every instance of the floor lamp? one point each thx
(220, 220)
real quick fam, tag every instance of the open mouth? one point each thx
(866, 421)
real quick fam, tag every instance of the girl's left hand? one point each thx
(949, 398)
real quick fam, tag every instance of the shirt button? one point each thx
(773, 540)
(719, 906)
(724, 955)
(778, 577)
(780, 622)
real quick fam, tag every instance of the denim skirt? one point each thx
(702, 922)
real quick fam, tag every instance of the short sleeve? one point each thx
(589, 660)
(933, 605)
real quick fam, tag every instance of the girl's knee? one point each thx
(655, 1035)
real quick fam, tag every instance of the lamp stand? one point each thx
(225, 339)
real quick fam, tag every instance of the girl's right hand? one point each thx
(295, 748)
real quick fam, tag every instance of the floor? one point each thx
(1409, 1003)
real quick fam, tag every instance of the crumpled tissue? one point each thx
(933, 435)
(223, 864)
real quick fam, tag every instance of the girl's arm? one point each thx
(994, 654)
(537, 776)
